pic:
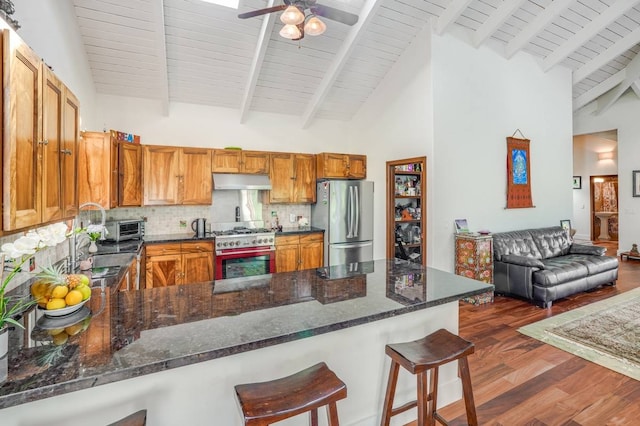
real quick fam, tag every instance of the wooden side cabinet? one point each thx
(293, 178)
(169, 264)
(474, 259)
(299, 252)
(341, 166)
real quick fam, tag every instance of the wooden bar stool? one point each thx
(269, 402)
(136, 419)
(419, 357)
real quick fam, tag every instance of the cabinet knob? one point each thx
(44, 142)
(66, 151)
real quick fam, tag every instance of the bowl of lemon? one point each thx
(59, 294)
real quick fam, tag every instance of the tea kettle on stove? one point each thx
(198, 227)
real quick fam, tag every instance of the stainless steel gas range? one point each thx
(244, 252)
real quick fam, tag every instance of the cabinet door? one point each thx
(255, 162)
(281, 177)
(197, 267)
(304, 182)
(113, 170)
(129, 174)
(94, 169)
(226, 161)
(161, 171)
(332, 165)
(163, 271)
(311, 251)
(357, 167)
(22, 135)
(51, 146)
(69, 157)
(287, 253)
(196, 182)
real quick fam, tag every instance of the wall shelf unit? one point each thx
(406, 209)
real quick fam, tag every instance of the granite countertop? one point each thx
(172, 238)
(122, 335)
(293, 230)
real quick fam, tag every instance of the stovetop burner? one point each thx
(242, 231)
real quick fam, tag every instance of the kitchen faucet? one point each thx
(73, 249)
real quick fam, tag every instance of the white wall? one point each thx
(622, 116)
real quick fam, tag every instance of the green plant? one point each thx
(21, 250)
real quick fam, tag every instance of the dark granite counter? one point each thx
(298, 230)
(175, 238)
(122, 335)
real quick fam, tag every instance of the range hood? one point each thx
(240, 181)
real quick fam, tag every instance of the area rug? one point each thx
(605, 332)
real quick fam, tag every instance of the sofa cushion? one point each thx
(516, 242)
(558, 270)
(523, 260)
(585, 249)
(595, 264)
(551, 242)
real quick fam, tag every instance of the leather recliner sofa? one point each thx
(543, 265)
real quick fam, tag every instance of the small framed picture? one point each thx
(636, 183)
(566, 225)
(577, 182)
(461, 226)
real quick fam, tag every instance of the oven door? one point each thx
(245, 262)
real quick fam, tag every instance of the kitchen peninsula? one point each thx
(226, 332)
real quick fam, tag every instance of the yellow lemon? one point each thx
(73, 298)
(85, 290)
(59, 292)
(74, 329)
(56, 304)
(60, 338)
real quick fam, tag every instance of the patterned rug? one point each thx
(605, 332)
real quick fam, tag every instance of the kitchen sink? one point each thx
(107, 265)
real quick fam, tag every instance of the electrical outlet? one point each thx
(183, 224)
(292, 217)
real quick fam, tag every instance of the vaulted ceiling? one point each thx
(196, 52)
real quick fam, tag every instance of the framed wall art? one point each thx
(566, 224)
(577, 182)
(636, 183)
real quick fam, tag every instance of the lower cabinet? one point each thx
(170, 264)
(128, 281)
(299, 252)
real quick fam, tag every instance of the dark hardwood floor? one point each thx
(518, 380)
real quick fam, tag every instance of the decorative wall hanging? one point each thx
(518, 173)
(577, 182)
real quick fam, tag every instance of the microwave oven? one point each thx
(122, 230)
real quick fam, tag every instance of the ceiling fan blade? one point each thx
(334, 14)
(262, 11)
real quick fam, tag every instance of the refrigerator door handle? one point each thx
(355, 245)
(357, 212)
(350, 214)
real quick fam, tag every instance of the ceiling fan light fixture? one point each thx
(290, 31)
(292, 16)
(314, 26)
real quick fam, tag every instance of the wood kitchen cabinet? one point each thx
(170, 264)
(299, 252)
(240, 161)
(341, 166)
(176, 176)
(33, 145)
(109, 171)
(69, 154)
(293, 178)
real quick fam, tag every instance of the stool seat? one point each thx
(420, 357)
(305, 391)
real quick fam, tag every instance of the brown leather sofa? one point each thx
(544, 265)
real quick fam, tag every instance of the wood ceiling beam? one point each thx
(495, 21)
(342, 56)
(603, 87)
(538, 24)
(450, 14)
(632, 73)
(587, 32)
(612, 52)
(635, 86)
(257, 61)
(161, 52)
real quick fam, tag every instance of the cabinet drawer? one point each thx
(197, 247)
(283, 240)
(312, 238)
(163, 249)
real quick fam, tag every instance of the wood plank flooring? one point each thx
(518, 380)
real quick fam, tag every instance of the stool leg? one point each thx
(424, 405)
(332, 414)
(433, 397)
(313, 417)
(391, 391)
(467, 392)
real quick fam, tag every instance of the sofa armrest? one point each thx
(515, 259)
(585, 249)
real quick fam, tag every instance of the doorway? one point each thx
(604, 208)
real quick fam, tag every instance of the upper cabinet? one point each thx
(38, 147)
(341, 166)
(109, 172)
(239, 161)
(69, 151)
(293, 178)
(174, 176)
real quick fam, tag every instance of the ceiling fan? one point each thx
(297, 23)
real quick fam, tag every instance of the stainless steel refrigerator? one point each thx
(344, 209)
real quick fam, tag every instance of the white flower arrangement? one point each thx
(94, 231)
